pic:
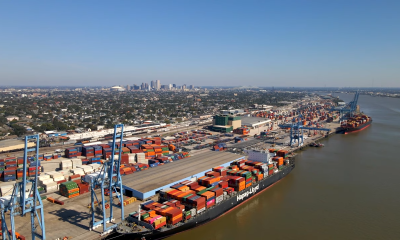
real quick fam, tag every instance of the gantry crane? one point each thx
(109, 179)
(25, 199)
(296, 130)
(350, 108)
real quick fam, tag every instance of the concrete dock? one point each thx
(73, 218)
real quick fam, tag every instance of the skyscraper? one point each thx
(158, 84)
(153, 84)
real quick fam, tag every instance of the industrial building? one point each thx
(226, 123)
(255, 122)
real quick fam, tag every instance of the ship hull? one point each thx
(356, 129)
(215, 212)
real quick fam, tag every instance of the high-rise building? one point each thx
(169, 86)
(128, 87)
(184, 86)
(143, 87)
(146, 86)
(153, 84)
(174, 85)
(158, 84)
(191, 87)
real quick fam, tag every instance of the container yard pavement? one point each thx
(50, 150)
(69, 220)
(72, 219)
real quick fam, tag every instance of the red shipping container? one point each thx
(203, 205)
(62, 181)
(83, 191)
(223, 184)
(77, 181)
(74, 176)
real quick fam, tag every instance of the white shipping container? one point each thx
(59, 178)
(55, 175)
(77, 171)
(6, 190)
(63, 172)
(51, 189)
(43, 177)
(46, 181)
(51, 184)
(76, 163)
(95, 166)
(219, 199)
(201, 210)
(144, 161)
(193, 212)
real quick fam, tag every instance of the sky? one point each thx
(297, 43)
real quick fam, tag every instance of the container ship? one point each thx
(355, 124)
(192, 203)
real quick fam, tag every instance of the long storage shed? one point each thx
(145, 184)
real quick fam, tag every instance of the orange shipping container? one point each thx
(184, 188)
(200, 188)
(152, 213)
(208, 194)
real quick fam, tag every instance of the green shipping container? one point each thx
(68, 185)
(185, 197)
(202, 191)
(210, 188)
(144, 216)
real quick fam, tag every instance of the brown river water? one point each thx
(350, 189)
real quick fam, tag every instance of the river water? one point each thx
(350, 189)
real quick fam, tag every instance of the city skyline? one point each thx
(233, 43)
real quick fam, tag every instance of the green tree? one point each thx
(3, 120)
(18, 130)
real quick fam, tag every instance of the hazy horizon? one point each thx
(202, 43)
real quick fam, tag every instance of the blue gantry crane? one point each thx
(349, 108)
(296, 130)
(108, 180)
(25, 199)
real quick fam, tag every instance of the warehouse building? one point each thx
(255, 122)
